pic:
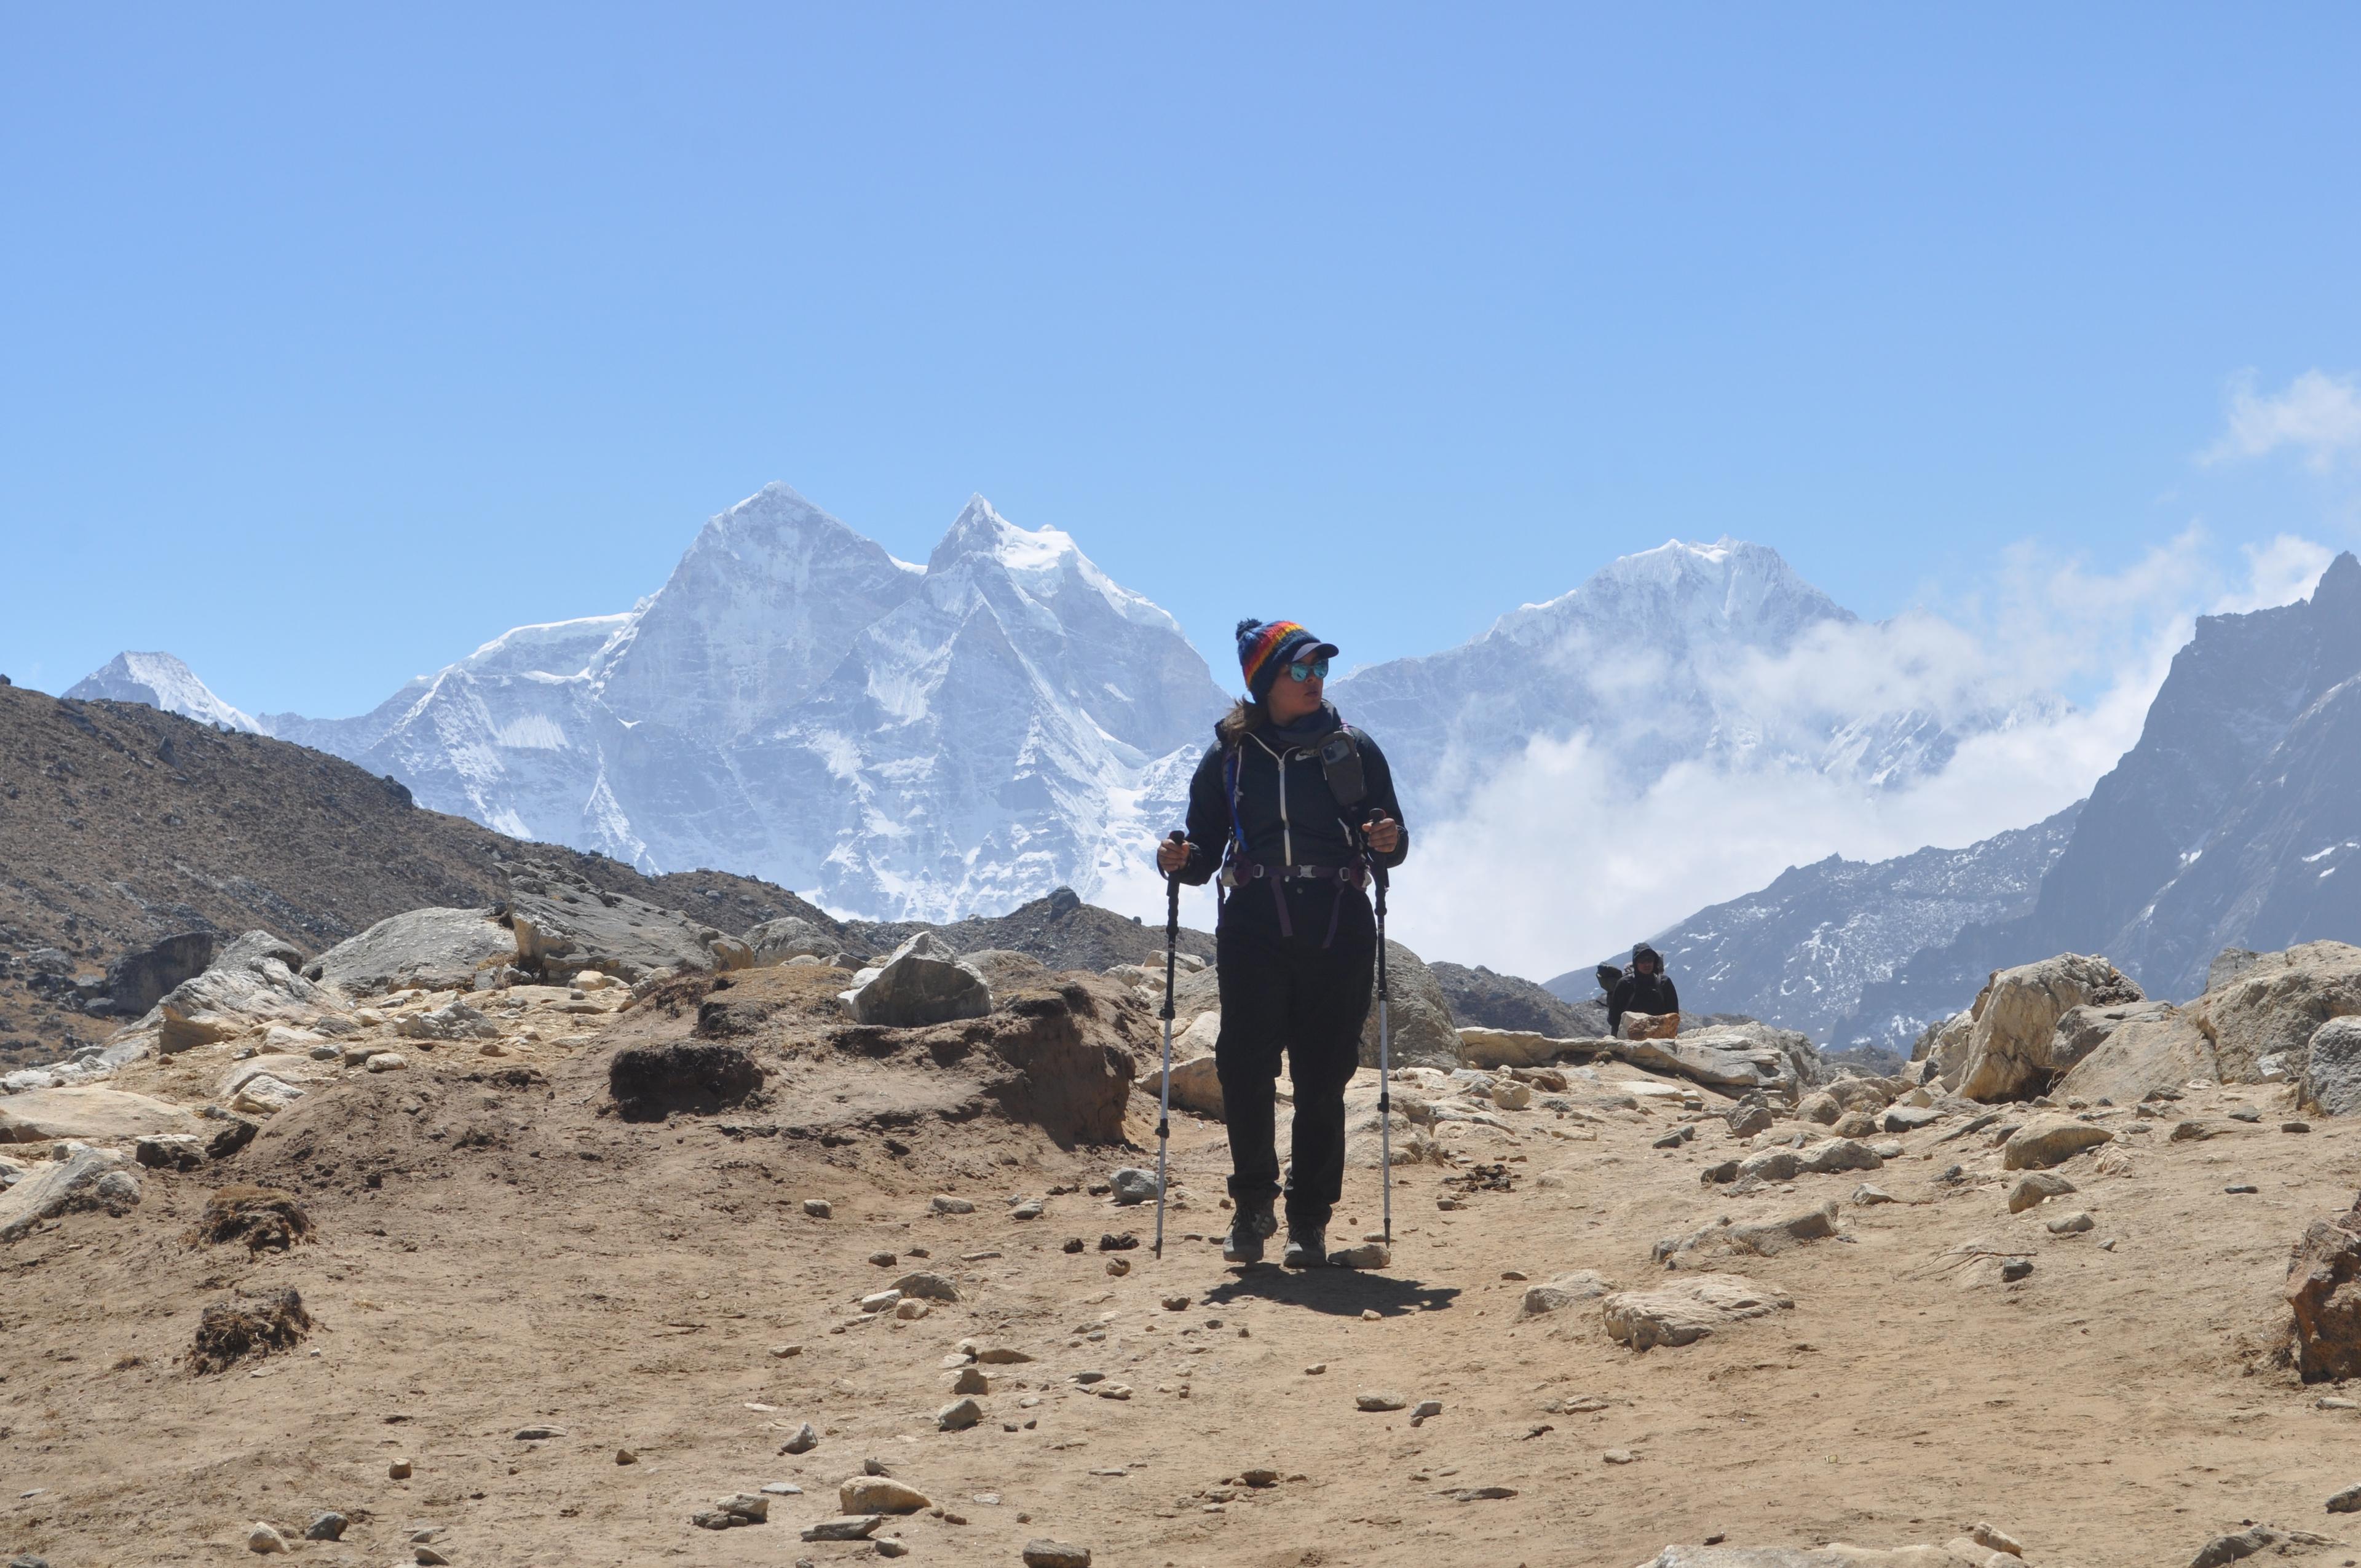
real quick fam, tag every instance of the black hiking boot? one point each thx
(1254, 1224)
(1307, 1248)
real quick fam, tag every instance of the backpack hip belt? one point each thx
(1241, 871)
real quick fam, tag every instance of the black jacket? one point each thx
(1641, 994)
(1285, 807)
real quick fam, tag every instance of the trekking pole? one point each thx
(1164, 1087)
(1385, 1071)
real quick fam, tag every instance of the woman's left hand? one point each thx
(1383, 833)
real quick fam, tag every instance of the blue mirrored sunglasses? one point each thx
(1318, 668)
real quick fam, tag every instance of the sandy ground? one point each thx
(524, 1259)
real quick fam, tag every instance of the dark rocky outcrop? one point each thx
(138, 979)
(651, 1082)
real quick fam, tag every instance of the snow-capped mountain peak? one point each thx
(159, 680)
(762, 605)
(1726, 590)
(1041, 563)
(1681, 653)
(795, 702)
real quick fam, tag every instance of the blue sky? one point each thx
(339, 342)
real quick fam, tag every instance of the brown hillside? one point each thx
(120, 825)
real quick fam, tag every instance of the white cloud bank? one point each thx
(2318, 415)
(1557, 860)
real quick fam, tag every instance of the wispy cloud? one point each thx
(1557, 860)
(2318, 415)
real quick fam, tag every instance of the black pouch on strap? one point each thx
(1340, 761)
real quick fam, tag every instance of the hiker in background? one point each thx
(1645, 988)
(1297, 810)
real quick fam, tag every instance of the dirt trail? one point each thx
(491, 1252)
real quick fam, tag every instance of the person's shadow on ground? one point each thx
(1339, 1292)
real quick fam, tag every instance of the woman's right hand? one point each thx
(1171, 855)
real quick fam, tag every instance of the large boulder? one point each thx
(2331, 1074)
(86, 1179)
(565, 925)
(2013, 1051)
(2152, 1045)
(1195, 992)
(2323, 1291)
(924, 983)
(1941, 1053)
(2266, 1016)
(1196, 1086)
(432, 949)
(252, 982)
(1418, 1013)
(103, 1115)
(790, 937)
(138, 980)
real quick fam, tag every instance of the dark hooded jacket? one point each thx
(1637, 993)
(1285, 810)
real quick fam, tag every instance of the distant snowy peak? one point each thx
(161, 680)
(761, 607)
(1673, 655)
(1726, 589)
(1043, 563)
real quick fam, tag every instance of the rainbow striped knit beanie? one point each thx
(1267, 647)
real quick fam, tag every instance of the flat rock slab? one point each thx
(1959, 1553)
(1563, 1291)
(1716, 1246)
(1517, 1047)
(91, 1179)
(92, 1115)
(1687, 1311)
(2046, 1141)
(1753, 1068)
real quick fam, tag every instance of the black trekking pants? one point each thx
(1291, 994)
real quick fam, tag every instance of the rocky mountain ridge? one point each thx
(2225, 826)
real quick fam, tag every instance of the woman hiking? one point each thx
(1297, 811)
